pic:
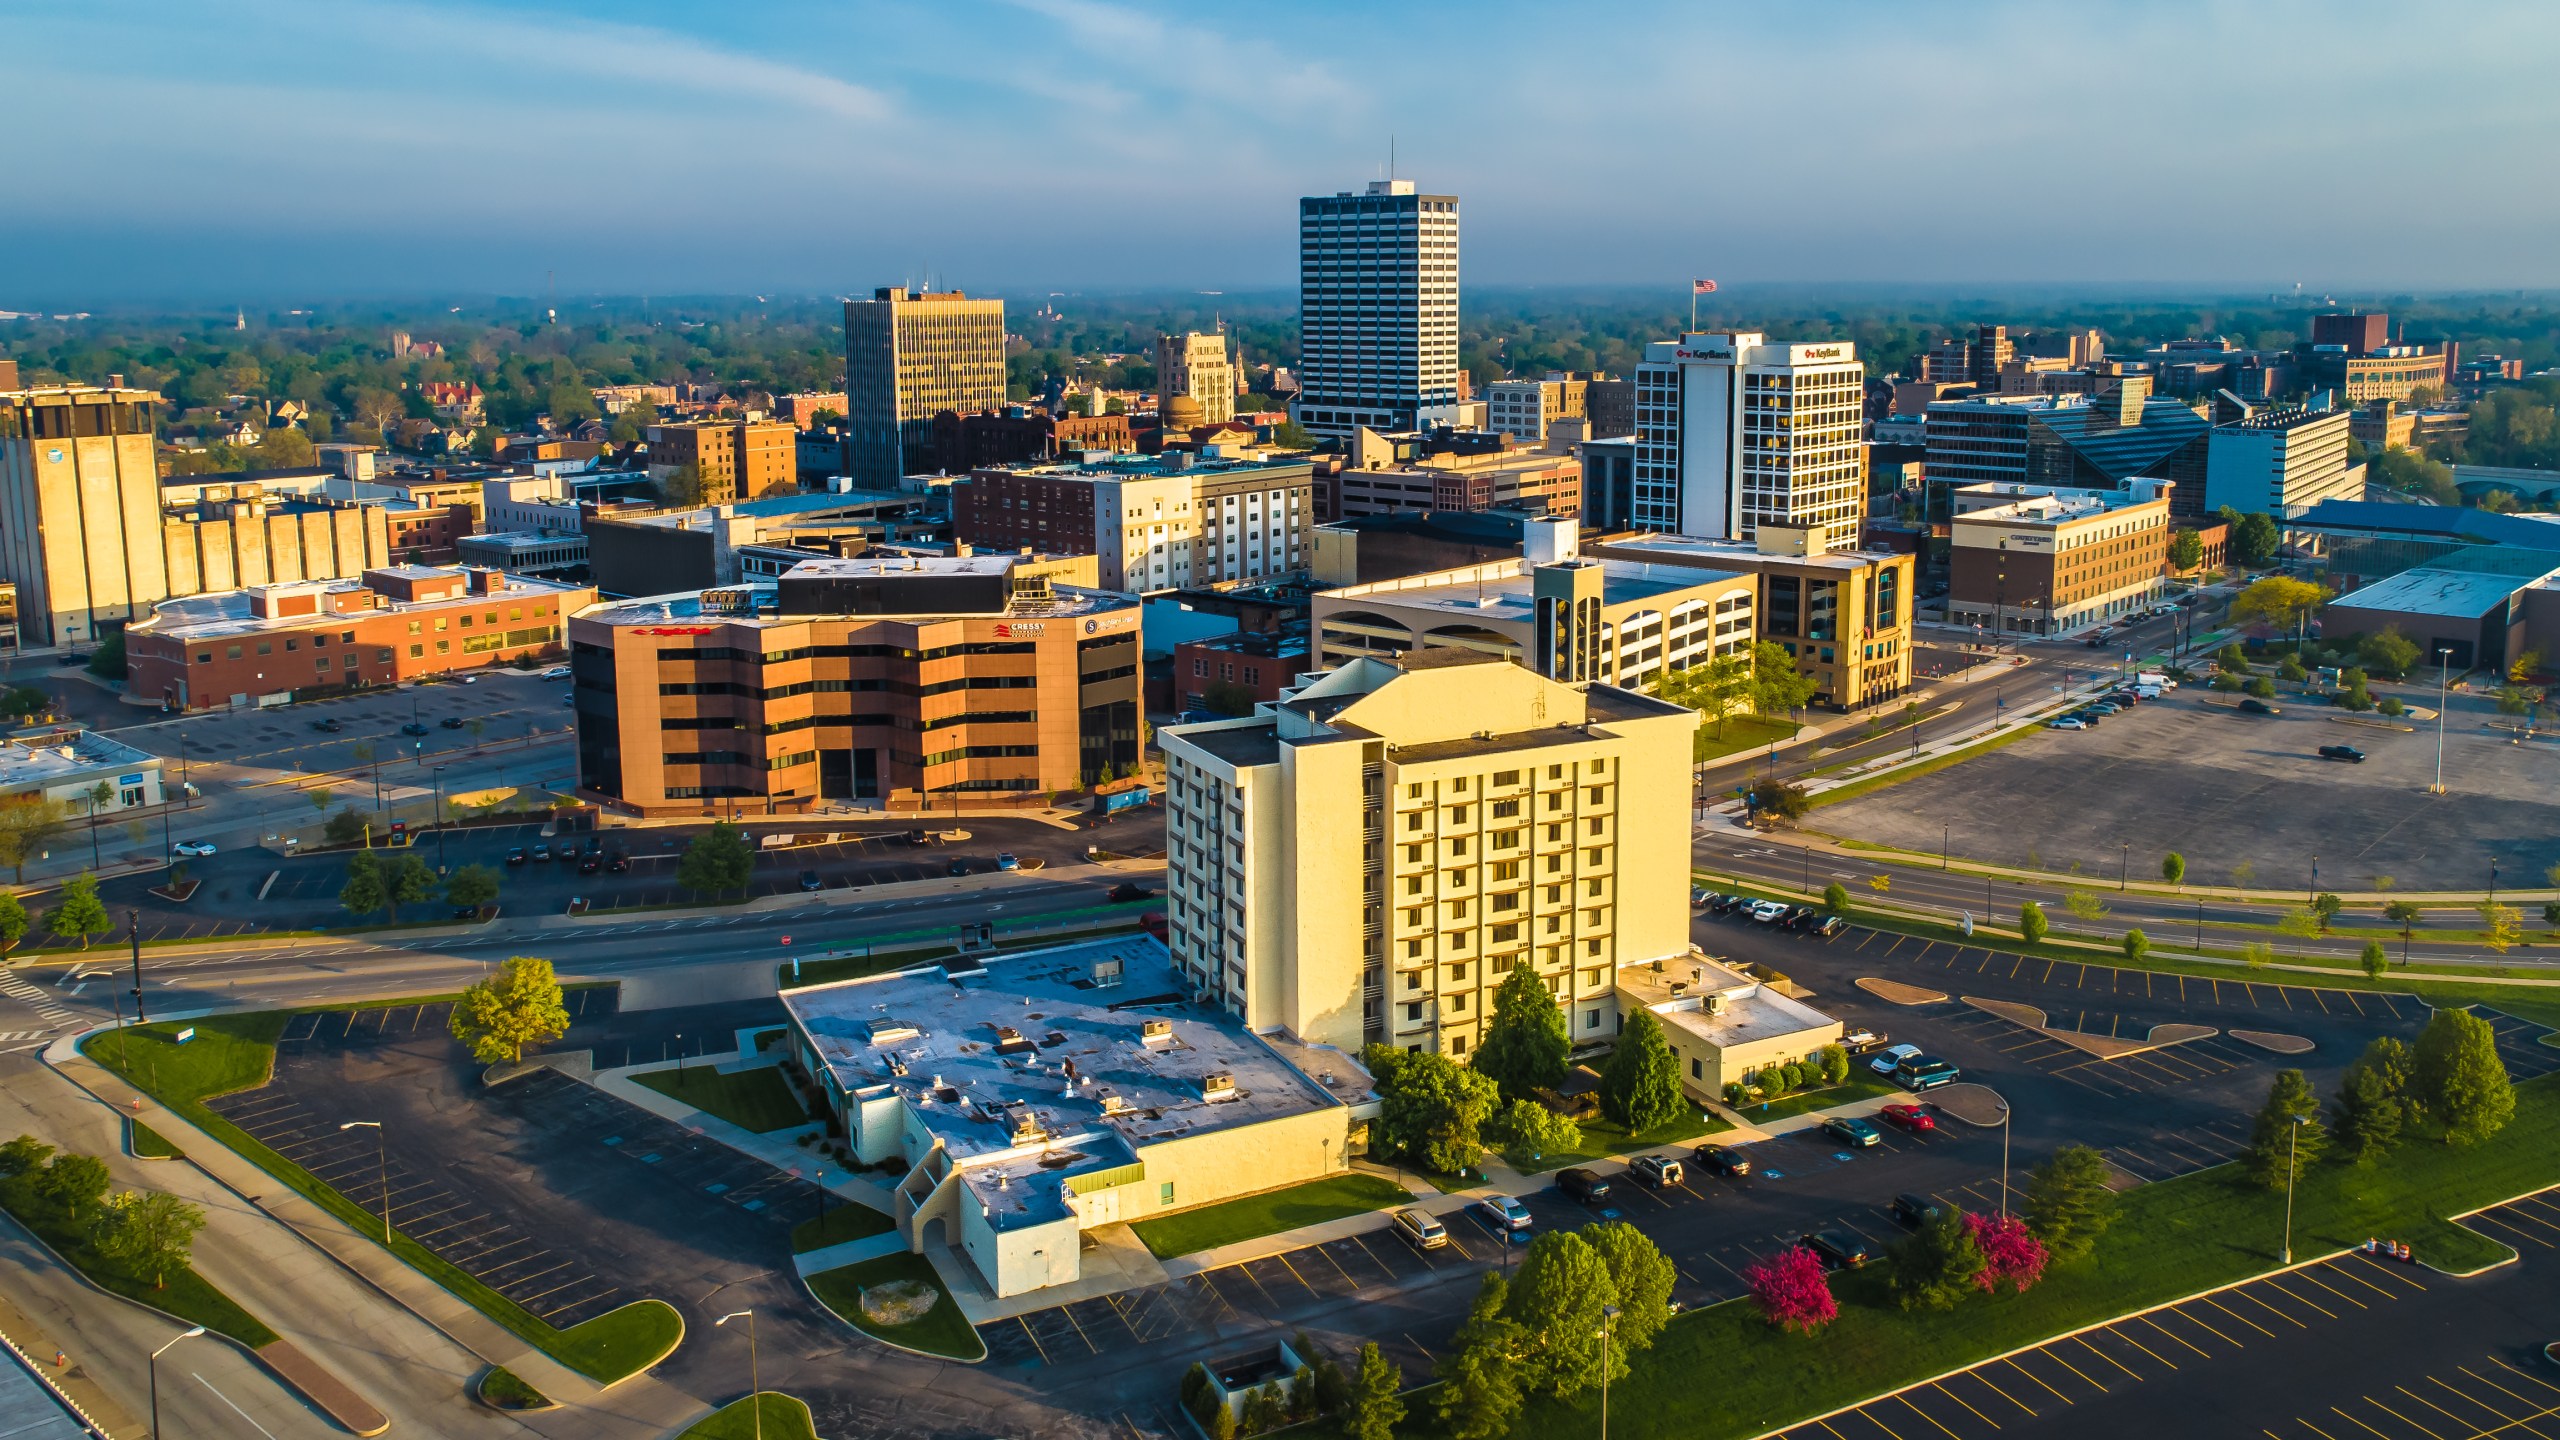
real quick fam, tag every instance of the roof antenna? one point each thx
(1391, 155)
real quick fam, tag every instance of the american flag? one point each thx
(1702, 287)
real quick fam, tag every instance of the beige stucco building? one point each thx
(1721, 1024)
(1198, 366)
(79, 507)
(1368, 858)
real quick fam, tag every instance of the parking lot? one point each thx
(2225, 789)
(493, 707)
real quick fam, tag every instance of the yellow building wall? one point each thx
(1319, 862)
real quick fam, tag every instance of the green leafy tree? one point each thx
(2388, 652)
(1641, 1275)
(472, 885)
(1640, 1088)
(13, 923)
(150, 1234)
(1715, 689)
(23, 1157)
(1480, 1389)
(2375, 960)
(2298, 922)
(406, 880)
(2368, 1115)
(363, 893)
(2325, 907)
(344, 828)
(1834, 1063)
(2032, 926)
(2186, 550)
(2288, 1136)
(2258, 954)
(2173, 868)
(2290, 670)
(2069, 1202)
(518, 1006)
(681, 488)
(2135, 945)
(2501, 926)
(2084, 905)
(2405, 914)
(1525, 1045)
(2254, 540)
(1557, 1300)
(1777, 686)
(1835, 898)
(1431, 1110)
(716, 861)
(319, 798)
(1376, 1405)
(79, 914)
(2457, 1076)
(1528, 1131)
(2261, 687)
(107, 662)
(1938, 1264)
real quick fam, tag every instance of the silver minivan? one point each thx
(1419, 1230)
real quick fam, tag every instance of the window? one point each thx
(1590, 1019)
(1505, 809)
(1591, 887)
(1594, 824)
(1413, 1010)
(1458, 847)
(1413, 884)
(266, 647)
(1164, 1193)
(1413, 820)
(1458, 1043)
(1413, 951)
(231, 652)
(416, 651)
(1697, 1071)
(205, 659)
(444, 647)
(319, 642)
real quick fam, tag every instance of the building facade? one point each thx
(2039, 560)
(1155, 522)
(1248, 666)
(1485, 818)
(2076, 441)
(273, 643)
(734, 459)
(1377, 310)
(1733, 432)
(1527, 480)
(1524, 409)
(2281, 462)
(909, 355)
(1197, 367)
(79, 507)
(897, 681)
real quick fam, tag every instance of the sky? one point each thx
(270, 150)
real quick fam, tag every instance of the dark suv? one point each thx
(1584, 1185)
(2348, 753)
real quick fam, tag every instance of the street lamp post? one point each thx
(440, 866)
(190, 1333)
(2199, 926)
(2124, 867)
(2444, 677)
(2493, 879)
(2315, 879)
(1608, 1313)
(755, 1380)
(2292, 1155)
(2004, 1155)
(1946, 831)
(133, 931)
(382, 1169)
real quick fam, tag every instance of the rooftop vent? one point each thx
(1715, 1002)
(1217, 1085)
(1156, 1034)
(1114, 1103)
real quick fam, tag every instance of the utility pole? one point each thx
(133, 931)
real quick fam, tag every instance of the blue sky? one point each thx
(280, 148)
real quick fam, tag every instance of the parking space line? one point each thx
(2249, 1292)
(2012, 1362)
(2493, 1219)
(1034, 1338)
(1950, 1394)
(2307, 1276)
(2536, 1379)
(2343, 1273)
(2119, 1332)
(1905, 1398)
(2468, 1398)
(2403, 1419)
(2055, 1356)
(2350, 1419)
(2181, 1339)
(2208, 1329)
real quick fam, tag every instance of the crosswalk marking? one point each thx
(36, 1000)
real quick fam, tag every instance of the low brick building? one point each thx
(277, 642)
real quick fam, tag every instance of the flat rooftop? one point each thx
(1715, 1003)
(2453, 594)
(1063, 601)
(1505, 589)
(882, 566)
(24, 766)
(1737, 555)
(1035, 1068)
(226, 612)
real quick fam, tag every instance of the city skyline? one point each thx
(1061, 143)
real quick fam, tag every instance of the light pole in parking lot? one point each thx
(382, 1168)
(1946, 833)
(440, 868)
(1608, 1313)
(2004, 1154)
(755, 1380)
(2444, 675)
(2124, 866)
(2292, 1163)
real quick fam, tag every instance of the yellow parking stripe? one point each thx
(2003, 1394)
(1978, 1415)
(2403, 1419)
(1925, 1415)
(2236, 1315)
(2314, 1429)
(2051, 1354)
(2521, 1375)
(2332, 1289)
(2270, 1309)
(2110, 1359)
(2470, 1399)
(2181, 1339)
(2350, 1419)
(2030, 1374)
(2118, 1332)
(2199, 1324)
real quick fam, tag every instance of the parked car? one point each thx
(2255, 706)
(1838, 1249)
(1798, 917)
(957, 867)
(1827, 926)
(1907, 1116)
(67, 658)
(192, 849)
(1659, 1172)
(2348, 753)
(1923, 1072)
(516, 856)
(809, 880)
(1723, 1159)
(1862, 1042)
(1767, 912)
(590, 864)
(1584, 1185)
(1124, 892)
(1701, 899)
(1853, 1132)
(329, 727)
(1914, 1210)
(542, 854)
(1501, 1214)
(1726, 904)
(453, 722)
(413, 728)
(2067, 722)
(1419, 1230)
(617, 863)
(556, 672)
(1885, 1063)
(1006, 860)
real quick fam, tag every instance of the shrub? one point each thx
(2012, 1257)
(2262, 687)
(1735, 1094)
(1792, 1291)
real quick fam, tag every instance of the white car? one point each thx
(191, 849)
(556, 672)
(1767, 911)
(2066, 723)
(1891, 1060)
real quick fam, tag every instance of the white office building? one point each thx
(2281, 462)
(1377, 310)
(1733, 432)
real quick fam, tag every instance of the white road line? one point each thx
(235, 1408)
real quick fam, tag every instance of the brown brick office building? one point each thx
(879, 681)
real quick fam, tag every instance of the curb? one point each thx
(812, 1293)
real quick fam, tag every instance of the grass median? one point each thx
(1863, 1084)
(1335, 1197)
(2171, 1239)
(757, 1100)
(1931, 766)
(765, 1415)
(229, 1053)
(887, 1298)
(1604, 1138)
(182, 1293)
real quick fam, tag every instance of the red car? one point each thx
(1914, 1118)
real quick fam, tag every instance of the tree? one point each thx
(1527, 1130)
(1792, 1291)
(2069, 1203)
(2288, 1136)
(363, 893)
(1480, 1376)
(2084, 905)
(1641, 1275)
(2406, 915)
(2278, 601)
(2298, 922)
(2457, 1076)
(1226, 697)
(2325, 906)
(2173, 868)
(2258, 954)
(1640, 1088)
(80, 914)
(1430, 1109)
(107, 662)
(2136, 945)
(2261, 687)
(681, 488)
(1936, 1265)
(1772, 796)
(2186, 550)
(406, 880)
(716, 861)
(472, 885)
(1713, 689)
(1375, 1404)
(2231, 660)
(1557, 1300)
(1525, 1044)
(1266, 1409)
(2513, 701)
(2501, 926)
(27, 826)
(2254, 540)
(1833, 1060)
(70, 1187)
(2290, 670)
(1835, 898)
(2032, 926)
(2368, 1114)
(2012, 1257)
(1777, 686)
(2526, 666)
(2388, 652)
(13, 923)
(149, 1234)
(516, 1007)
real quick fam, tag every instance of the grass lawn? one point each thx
(237, 1052)
(783, 1418)
(147, 1143)
(757, 1100)
(1739, 733)
(898, 952)
(845, 1221)
(1603, 1138)
(186, 1294)
(507, 1390)
(1210, 1226)
(2170, 1239)
(943, 1330)
(1930, 766)
(1862, 1084)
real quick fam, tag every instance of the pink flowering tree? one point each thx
(1792, 1291)
(2015, 1258)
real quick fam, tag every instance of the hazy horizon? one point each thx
(293, 150)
